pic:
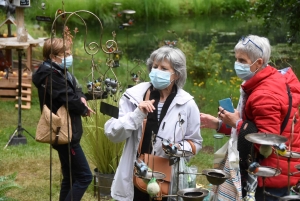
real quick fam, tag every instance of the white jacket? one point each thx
(129, 127)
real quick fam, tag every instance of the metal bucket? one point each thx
(102, 184)
(193, 194)
(215, 176)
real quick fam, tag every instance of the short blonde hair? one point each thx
(57, 47)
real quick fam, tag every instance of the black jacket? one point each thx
(59, 95)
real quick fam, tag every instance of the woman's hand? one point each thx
(83, 101)
(209, 121)
(147, 106)
(90, 112)
(229, 118)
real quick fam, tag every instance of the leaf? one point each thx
(7, 183)
(102, 153)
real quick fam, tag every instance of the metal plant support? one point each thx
(106, 84)
(214, 176)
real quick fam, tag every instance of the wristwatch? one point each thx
(220, 124)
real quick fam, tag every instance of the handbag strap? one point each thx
(286, 119)
(58, 128)
(147, 97)
(46, 81)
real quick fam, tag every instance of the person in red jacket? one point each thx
(264, 101)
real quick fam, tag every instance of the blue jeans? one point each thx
(280, 192)
(80, 170)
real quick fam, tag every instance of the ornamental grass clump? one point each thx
(100, 151)
(7, 183)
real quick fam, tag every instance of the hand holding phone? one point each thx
(227, 105)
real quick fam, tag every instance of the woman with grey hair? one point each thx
(171, 114)
(265, 105)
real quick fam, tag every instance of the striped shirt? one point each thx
(159, 107)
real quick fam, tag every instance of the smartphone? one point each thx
(110, 110)
(227, 104)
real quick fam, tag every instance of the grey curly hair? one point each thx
(176, 58)
(255, 47)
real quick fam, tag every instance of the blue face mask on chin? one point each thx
(243, 70)
(160, 79)
(69, 62)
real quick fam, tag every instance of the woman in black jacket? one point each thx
(57, 58)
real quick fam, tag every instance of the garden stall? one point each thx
(9, 79)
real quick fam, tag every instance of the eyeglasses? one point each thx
(247, 40)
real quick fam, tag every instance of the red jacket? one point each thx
(267, 106)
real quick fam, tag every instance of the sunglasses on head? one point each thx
(245, 41)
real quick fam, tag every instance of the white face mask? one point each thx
(69, 62)
(243, 70)
(160, 79)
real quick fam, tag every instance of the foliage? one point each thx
(275, 14)
(203, 63)
(233, 5)
(145, 9)
(7, 183)
(102, 153)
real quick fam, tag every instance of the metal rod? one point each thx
(264, 188)
(191, 173)
(271, 195)
(19, 92)
(289, 176)
(178, 178)
(293, 173)
(164, 196)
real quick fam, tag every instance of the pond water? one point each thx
(140, 40)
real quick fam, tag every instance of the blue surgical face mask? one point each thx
(69, 62)
(243, 70)
(160, 79)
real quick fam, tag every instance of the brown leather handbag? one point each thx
(157, 164)
(61, 127)
(54, 128)
(160, 165)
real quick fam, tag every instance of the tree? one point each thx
(274, 14)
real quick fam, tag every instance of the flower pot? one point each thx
(102, 184)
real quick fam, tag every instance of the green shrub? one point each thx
(7, 183)
(202, 64)
(102, 153)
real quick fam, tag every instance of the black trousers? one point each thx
(81, 173)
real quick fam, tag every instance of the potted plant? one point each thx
(100, 151)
